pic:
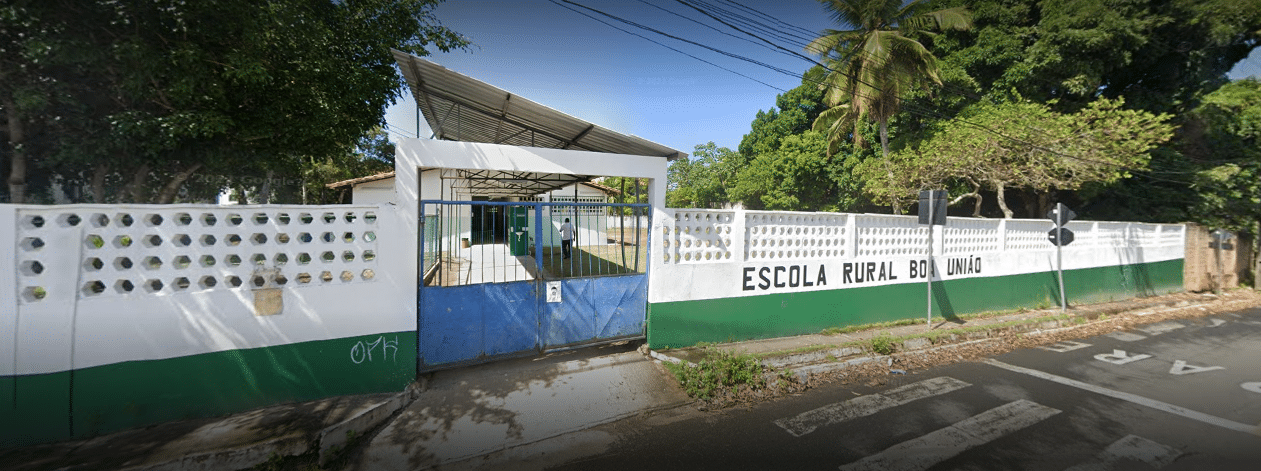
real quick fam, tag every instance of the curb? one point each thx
(332, 439)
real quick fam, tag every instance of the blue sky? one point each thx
(574, 64)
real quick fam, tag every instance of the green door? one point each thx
(518, 232)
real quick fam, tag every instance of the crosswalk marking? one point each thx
(1160, 328)
(1134, 398)
(1126, 336)
(863, 406)
(1130, 448)
(928, 450)
(1065, 346)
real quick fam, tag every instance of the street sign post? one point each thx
(1060, 236)
(932, 212)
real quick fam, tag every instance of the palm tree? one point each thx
(875, 64)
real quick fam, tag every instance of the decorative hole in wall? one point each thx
(124, 286)
(181, 283)
(328, 218)
(260, 218)
(304, 278)
(93, 287)
(347, 275)
(182, 262)
(100, 220)
(326, 276)
(281, 280)
(152, 263)
(125, 220)
(348, 237)
(280, 259)
(369, 255)
(209, 219)
(258, 281)
(234, 281)
(153, 285)
(183, 219)
(233, 260)
(350, 217)
(328, 256)
(152, 240)
(305, 237)
(32, 268)
(282, 218)
(207, 260)
(282, 238)
(32, 243)
(259, 239)
(232, 240)
(368, 274)
(369, 236)
(348, 256)
(305, 218)
(35, 221)
(69, 220)
(93, 264)
(370, 217)
(122, 263)
(153, 220)
(182, 240)
(259, 259)
(304, 258)
(207, 282)
(328, 237)
(235, 219)
(208, 240)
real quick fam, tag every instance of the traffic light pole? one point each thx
(1059, 269)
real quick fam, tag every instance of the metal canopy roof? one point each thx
(461, 108)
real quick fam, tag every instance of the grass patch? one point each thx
(719, 370)
(883, 344)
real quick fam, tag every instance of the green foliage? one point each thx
(883, 344)
(156, 92)
(717, 371)
(1225, 137)
(701, 181)
(798, 176)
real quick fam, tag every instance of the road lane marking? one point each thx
(863, 406)
(1160, 328)
(1065, 346)
(1126, 336)
(1253, 386)
(1119, 357)
(1130, 448)
(1134, 398)
(1181, 368)
(1216, 322)
(929, 450)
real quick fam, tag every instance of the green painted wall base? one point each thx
(685, 323)
(103, 399)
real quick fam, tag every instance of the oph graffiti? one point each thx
(361, 352)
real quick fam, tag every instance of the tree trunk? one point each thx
(264, 196)
(1044, 204)
(896, 201)
(172, 187)
(1002, 199)
(17, 141)
(135, 189)
(99, 172)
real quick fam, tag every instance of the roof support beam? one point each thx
(507, 119)
(580, 135)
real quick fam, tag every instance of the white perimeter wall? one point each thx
(706, 254)
(336, 271)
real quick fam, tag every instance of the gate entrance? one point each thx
(496, 281)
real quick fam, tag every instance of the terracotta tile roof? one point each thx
(356, 181)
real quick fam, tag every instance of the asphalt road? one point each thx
(1177, 395)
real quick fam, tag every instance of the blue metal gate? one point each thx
(496, 281)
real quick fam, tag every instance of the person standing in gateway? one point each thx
(566, 237)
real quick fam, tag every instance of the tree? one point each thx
(798, 176)
(163, 90)
(1225, 133)
(873, 66)
(1023, 145)
(701, 181)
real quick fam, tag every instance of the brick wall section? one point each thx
(1200, 270)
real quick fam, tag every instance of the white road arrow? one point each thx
(1181, 368)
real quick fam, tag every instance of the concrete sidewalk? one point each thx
(448, 416)
(808, 354)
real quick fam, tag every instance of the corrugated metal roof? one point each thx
(461, 108)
